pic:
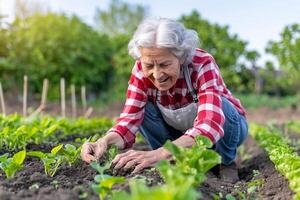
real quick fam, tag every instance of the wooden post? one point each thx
(73, 99)
(2, 100)
(43, 99)
(88, 113)
(25, 96)
(83, 98)
(63, 97)
(44, 94)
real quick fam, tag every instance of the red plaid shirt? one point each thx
(210, 87)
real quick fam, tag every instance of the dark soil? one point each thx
(71, 183)
(74, 182)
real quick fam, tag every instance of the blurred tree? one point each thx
(121, 18)
(287, 52)
(227, 49)
(54, 46)
(252, 57)
(119, 22)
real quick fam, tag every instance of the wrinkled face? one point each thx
(160, 66)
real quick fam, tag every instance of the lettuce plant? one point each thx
(195, 161)
(71, 153)
(50, 160)
(104, 182)
(11, 165)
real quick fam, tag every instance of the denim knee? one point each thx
(235, 131)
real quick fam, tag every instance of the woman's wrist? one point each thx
(164, 153)
(113, 138)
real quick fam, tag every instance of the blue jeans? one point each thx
(156, 131)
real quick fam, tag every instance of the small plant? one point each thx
(195, 161)
(11, 165)
(112, 152)
(104, 182)
(71, 153)
(50, 160)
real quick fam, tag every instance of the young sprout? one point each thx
(11, 165)
(50, 160)
(104, 182)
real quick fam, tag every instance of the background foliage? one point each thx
(44, 44)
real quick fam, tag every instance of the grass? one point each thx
(256, 101)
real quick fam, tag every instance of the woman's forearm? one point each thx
(114, 138)
(183, 141)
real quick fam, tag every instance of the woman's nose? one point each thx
(156, 73)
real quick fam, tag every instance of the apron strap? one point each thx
(188, 81)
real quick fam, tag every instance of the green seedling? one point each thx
(11, 165)
(71, 153)
(195, 161)
(180, 189)
(112, 152)
(50, 160)
(104, 182)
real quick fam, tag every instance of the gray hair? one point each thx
(164, 33)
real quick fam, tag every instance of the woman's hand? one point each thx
(139, 159)
(92, 151)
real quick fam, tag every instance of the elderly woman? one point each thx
(175, 92)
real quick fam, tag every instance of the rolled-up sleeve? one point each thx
(133, 111)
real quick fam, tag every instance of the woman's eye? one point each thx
(163, 65)
(149, 66)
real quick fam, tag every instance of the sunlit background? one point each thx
(255, 43)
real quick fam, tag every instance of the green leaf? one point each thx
(38, 154)
(51, 130)
(56, 149)
(19, 157)
(175, 150)
(3, 157)
(110, 181)
(203, 141)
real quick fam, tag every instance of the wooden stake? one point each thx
(25, 96)
(2, 100)
(63, 97)
(88, 112)
(83, 98)
(43, 99)
(44, 94)
(73, 99)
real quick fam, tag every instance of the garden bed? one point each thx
(73, 182)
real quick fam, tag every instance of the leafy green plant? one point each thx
(104, 182)
(11, 165)
(50, 160)
(112, 152)
(285, 159)
(181, 178)
(197, 160)
(71, 153)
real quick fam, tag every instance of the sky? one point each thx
(256, 21)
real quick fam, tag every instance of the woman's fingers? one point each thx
(122, 155)
(100, 147)
(92, 151)
(130, 164)
(87, 152)
(140, 167)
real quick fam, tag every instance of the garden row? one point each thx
(23, 155)
(281, 151)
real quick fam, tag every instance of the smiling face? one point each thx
(160, 66)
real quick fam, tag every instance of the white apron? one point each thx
(182, 118)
